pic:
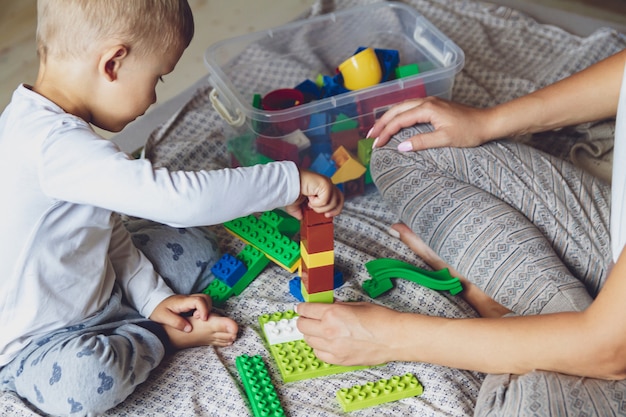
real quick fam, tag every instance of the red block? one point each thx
(349, 139)
(318, 238)
(311, 218)
(318, 279)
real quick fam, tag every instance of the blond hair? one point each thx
(69, 28)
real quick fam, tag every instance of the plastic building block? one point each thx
(343, 122)
(282, 331)
(382, 270)
(229, 269)
(314, 260)
(310, 90)
(244, 152)
(407, 70)
(323, 165)
(278, 149)
(318, 237)
(311, 218)
(354, 187)
(255, 262)
(258, 386)
(348, 166)
(266, 238)
(361, 70)
(349, 139)
(295, 288)
(374, 287)
(318, 279)
(218, 291)
(337, 279)
(285, 223)
(299, 139)
(327, 297)
(380, 392)
(364, 150)
(318, 125)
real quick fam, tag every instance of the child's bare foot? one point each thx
(482, 303)
(216, 331)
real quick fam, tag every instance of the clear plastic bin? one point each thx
(244, 71)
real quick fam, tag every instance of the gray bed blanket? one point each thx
(507, 55)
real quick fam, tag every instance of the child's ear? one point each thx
(111, 61)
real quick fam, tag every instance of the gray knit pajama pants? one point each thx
(91, 367)
(529, 229)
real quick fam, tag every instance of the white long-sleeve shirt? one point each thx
(62, 247)
(618, 180)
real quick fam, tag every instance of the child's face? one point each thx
(134, 90)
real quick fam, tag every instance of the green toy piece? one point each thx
(266, 238)
(380, 392)
(218, 291)
(407, 70)
(255, 262)
(258, 386)
(343, 122)
(296, 360)
(243, 149)
(382, 270)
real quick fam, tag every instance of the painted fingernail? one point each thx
(374, 143)
(295, 308)
(405, 147)
(393, 233)
(369, 133)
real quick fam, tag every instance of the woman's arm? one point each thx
(590, 343)
(591, 94)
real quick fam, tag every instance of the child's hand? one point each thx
(324, 196)
(169, 311)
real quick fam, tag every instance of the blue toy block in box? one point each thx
(337, 279)
(324, 165)
(333, 86)
(318, 125)
(229, 269)
(389, 59)
(309, 90)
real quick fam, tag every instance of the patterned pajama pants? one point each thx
(91, 367)
(529, 229)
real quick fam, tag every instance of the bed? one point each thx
(507, 53)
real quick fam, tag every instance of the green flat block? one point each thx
(258, 386)
(380, 392)
(266, 238)
(385, 268)
(255, 262)
(407, 70)
(283, 222)
(218, 291)
(243, 149)
(296, 360)
(343, 122)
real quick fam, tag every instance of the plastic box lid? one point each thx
(260, 62)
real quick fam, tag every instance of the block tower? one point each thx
(317, 256)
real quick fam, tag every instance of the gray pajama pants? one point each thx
(91, 367)
(529, 229)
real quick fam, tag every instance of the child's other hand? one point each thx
(169, 311)
(324, 196)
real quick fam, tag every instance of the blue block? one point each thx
(324, 165)
(295, 289)
(229, 269)
(337, 279)
(309, 90)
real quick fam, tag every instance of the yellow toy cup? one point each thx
(361, 70)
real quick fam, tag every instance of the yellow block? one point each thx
(348, 167)
(314, 260)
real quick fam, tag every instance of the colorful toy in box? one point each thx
(326, 141)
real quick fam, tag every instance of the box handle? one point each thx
(221, 109)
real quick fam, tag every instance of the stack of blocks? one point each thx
(317, 256)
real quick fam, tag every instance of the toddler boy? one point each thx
(86, 316)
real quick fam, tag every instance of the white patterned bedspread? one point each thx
(507, 54)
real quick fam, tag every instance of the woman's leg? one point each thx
(528, 229)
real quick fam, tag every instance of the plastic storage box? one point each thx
(248, 72)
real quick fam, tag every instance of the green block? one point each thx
(266, 238)
(258, 386)
(380, 392)
(255, 262)
(285, 223)
(407, 70)
(343, 122)
(218, 291)
(364, 150)
(296, 360)
(382, 270)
